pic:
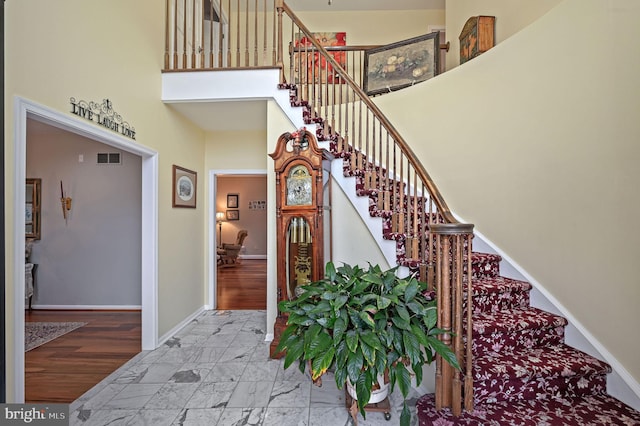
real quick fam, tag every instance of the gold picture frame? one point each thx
(185, 187)
(32, 208)
(401, 64)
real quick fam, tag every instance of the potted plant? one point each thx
(363, 324)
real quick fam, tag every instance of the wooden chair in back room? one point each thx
(228, 253)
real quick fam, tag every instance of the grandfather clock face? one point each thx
(299, 192)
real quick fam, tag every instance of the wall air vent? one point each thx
(109, 158)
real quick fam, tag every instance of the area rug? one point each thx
(39, 333)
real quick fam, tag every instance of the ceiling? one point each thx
(227, 115)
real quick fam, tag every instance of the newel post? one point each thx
(453, 284)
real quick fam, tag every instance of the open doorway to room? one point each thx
(241, 240)
(145, 210)
(84, 262)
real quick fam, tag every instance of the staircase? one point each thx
(518, 368)
(523, 372)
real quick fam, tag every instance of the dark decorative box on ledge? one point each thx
(477, 36)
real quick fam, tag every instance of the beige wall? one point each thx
(236, 150)
(98, 50)
(511, 17)
(536, 143)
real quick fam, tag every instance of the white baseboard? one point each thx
(252, 256)
(89, 307)
(169, 334)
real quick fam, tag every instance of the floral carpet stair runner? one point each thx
(524, 373)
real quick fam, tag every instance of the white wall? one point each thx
(92, 259)
(536, 143)
(352, 241)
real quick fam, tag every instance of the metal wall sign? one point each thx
(104, 115)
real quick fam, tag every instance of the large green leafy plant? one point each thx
(361, 324)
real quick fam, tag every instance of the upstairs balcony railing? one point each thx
(210, 35)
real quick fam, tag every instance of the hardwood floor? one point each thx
(243, 286)
(62, 370)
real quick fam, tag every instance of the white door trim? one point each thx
(24, 109)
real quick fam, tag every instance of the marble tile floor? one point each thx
(217, 371)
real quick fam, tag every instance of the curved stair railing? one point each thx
(429, 240)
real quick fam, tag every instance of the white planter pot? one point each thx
(377, 395)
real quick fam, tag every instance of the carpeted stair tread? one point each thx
(515, 320)
(590, 410)
(516, 330)
(485, 264)
(548, 361)
(485, 257)
(499, 293)
(498, 284)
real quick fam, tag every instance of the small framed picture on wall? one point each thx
(233, 214)
(233, 201)
(184, 187)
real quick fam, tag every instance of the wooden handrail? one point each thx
(413, 159)
(354, 47)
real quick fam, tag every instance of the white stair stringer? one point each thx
(361, 206)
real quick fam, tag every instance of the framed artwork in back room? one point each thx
(233, 201)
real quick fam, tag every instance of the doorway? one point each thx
(239, 203)
(24, 110)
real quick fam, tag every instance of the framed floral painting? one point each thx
(401, 64)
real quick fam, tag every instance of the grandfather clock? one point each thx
(303, 216)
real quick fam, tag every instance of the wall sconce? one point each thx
(219, 220)
(65, 201)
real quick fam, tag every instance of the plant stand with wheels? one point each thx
(383, 406)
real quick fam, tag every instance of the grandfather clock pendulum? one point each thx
(303, 215)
